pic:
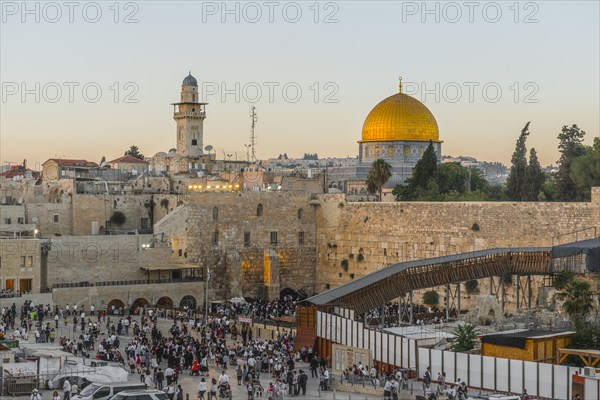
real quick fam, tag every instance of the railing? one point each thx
(128, 282)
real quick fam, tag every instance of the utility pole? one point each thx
(206, 297)
(253, 118)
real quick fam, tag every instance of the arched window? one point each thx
(300, 213)
(259, 210)
(215, 214)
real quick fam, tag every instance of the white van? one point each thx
(147, 394)
(104, 391)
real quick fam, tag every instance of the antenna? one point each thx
(253, 118)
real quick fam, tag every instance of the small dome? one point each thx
(190, 80)
(173, 151)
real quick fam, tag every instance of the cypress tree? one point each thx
(515, 184)
(534, 177)
(425, 168)
(570, 146)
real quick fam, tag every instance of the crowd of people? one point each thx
(394, 315)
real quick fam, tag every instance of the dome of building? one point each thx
(400, 117)
(190, 80)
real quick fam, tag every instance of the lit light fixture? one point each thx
(279, 187)
(208, 187)
(190, 187)
(200, 187)
(145, 246)
(230, 186)
(237, 186)
(218, 186)
(195, 187)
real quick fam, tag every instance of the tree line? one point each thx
(578, 170)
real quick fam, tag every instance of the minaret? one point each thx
(189, 115)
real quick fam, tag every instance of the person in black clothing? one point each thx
(314, 364)
(160, 377)
(302, 380)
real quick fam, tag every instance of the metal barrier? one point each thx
(21, 386)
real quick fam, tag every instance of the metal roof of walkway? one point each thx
(389, 283)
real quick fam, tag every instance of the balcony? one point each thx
(189, 114)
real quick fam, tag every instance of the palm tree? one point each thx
(465, 337)
(379, 174)
(579, 298)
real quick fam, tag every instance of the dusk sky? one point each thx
(344, 57)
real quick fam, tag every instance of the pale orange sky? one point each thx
(356, 60)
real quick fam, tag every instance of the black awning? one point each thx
(590, 247)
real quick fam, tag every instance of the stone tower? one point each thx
(189, 115)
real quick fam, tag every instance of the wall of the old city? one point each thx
(20, 260)
(369, 236)
(215, 238)
(101, 258)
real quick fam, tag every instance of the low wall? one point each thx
(100, 296)
(36, 298)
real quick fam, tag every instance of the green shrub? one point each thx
(431, 298)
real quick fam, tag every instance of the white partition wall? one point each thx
(489, 373)
(475, 370)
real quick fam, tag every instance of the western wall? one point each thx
(354, 239)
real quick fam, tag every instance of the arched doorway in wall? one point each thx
(138, 304)
(114, 306)
(165, 302)
(188, 302)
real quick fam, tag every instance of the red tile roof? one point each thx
(128, 159)
(65, 162)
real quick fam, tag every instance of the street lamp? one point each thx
(206, 297)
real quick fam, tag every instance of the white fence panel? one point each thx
(436, 362)
(449, 366)
(545, 378)
(475, 370)
(591, 389)
(399, 362)
(359, 336)
(489, 371)
(384, 346)
(561, 383)
(423, 361)
(413, 353)
(378, 346)
(516, 376)
(531, 377)
(502, 374)
(462, 367)
(405, 353)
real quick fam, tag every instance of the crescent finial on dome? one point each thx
(400, 83)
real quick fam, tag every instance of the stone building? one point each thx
(20, 265)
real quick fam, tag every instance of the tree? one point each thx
(571, 147)
(562, 279)
(118, 218)
(379, 174)
(585, 170)
(134, 151)
(515, 184)
(534, 178)
(431, 298)
(579, 298)
(465, 337)
(425, 168)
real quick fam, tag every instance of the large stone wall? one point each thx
(370, 236)
(258, 267)
(102, 258)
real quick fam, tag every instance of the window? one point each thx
(246, 239)
(29, 261)
(145, 224)
(180, 253)
(300, 237)
(22, 263)
(9, 284)
(300, 213)
(259, 210)
(273, 237)
(194, 142)
(108, 225)
(7, 221)
(20, 220)
(55, 218)
(215, 214)
(215, 237)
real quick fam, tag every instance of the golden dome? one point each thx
(400, 117)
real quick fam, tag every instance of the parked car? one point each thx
(146, 394)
